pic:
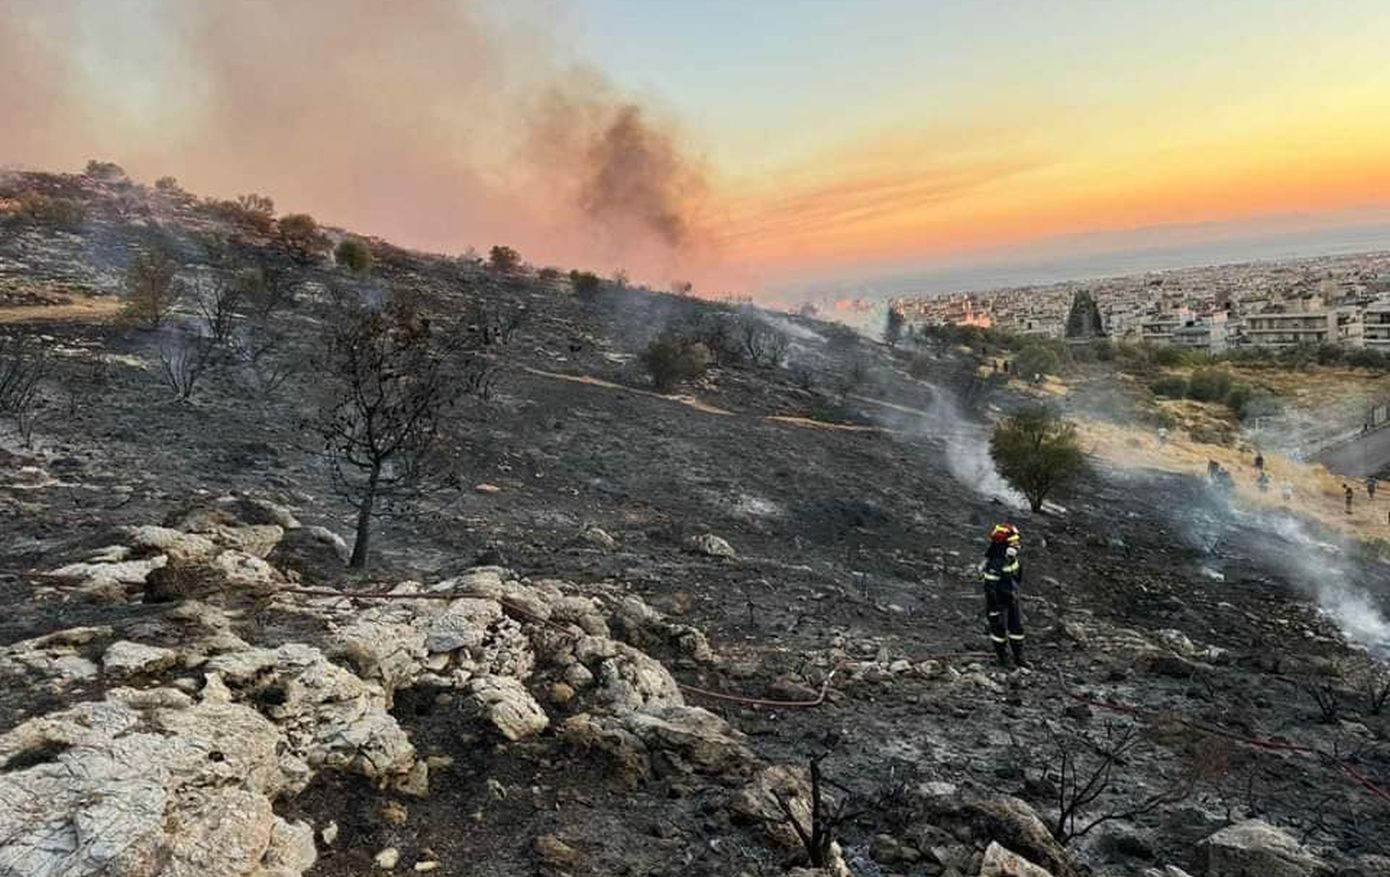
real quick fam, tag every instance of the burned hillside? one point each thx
(616, 627)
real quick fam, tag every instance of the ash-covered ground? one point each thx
(1191, 661)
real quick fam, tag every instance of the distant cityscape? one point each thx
(1342, 300)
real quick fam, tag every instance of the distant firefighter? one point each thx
(1002, 575)
(1349, 494)
(1371, 488)
(1259, 461)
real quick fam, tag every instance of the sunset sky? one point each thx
(797, 141)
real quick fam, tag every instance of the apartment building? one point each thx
(1376, 325)
(1334, 326)
(1210, 334)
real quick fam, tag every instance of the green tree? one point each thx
(354, 254)
(1037, 359)
(586, 285)
(672, 361)
(503, 259)
(151, 292)
(1037, 452)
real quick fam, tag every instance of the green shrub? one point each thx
(672, 361)
(104, 170)
(921, 367)
(300, 234)
(40, 209)
(1238, 398)
(355, 254)
(586, 285)
(1104, 350)
(1167, 357)
(1171, 387)
(1209, 385)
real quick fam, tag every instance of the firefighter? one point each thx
(1001, 574)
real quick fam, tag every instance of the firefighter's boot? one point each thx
(1017, 646)
(1001, 652)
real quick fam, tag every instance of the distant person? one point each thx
(1162, 436)
(1371, 488)
(1213, 470)
(1263, 482)
(1286, 490)
(1259, 461)
(1349, 494)
(1001, 575)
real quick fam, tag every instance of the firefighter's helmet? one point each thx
(1006, 533)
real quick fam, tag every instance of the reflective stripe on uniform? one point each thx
(998, 639)
(990, 577)
(1016, 636)
(1011, 568)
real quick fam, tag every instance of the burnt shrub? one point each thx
(671, 361)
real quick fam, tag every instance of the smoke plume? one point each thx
(440, 125)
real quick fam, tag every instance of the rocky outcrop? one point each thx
(147, 783)
(1256, 847)
(332, 718)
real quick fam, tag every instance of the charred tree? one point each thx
(397, 377)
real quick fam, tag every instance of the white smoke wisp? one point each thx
(1322, 569)
(967, 450)
(966, 443)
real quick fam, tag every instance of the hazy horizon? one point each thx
(745, 147)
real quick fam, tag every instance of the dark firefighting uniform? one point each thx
(1002, 576)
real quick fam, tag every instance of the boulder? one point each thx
(111, 579)
(1003, 819)
(177, 544)
(597, 538)
(254, 510)
(506, 703)
(631, 680)
(1000, 862)
(317, 554)
(607, 735)
(710, 545)
(1255, 847)
(125, 658)
(690, 740)
(53, 658)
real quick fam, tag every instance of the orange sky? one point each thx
(735, 145)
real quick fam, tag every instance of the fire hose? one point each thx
(1347, 768)
(1215, 731)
